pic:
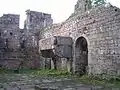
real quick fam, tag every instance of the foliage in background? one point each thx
(96, 3)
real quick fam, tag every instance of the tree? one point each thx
(97, 2)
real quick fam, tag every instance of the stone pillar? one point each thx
(64, 63)
(47, 63)
(54, 62)
(69, 65)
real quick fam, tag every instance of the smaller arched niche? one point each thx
(81, 55)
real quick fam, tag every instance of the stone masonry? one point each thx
(87, 42)
(19, 47)
(96, 39)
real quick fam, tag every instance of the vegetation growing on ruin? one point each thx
(104, 80)
(100, 80)
(96, 3)
(37, 72)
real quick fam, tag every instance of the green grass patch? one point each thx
(51, 73)
(104, 80)
(98, 80)
(37, 72)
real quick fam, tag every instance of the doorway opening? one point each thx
(81, 56)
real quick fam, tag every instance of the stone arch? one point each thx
(81, 55)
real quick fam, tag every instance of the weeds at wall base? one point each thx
(102, 79)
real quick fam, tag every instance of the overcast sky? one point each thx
(60, 9)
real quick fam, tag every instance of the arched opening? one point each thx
(81, 56)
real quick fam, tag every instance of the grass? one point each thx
(112, 82)
(94, 80)
(51, 73)
(37, 72)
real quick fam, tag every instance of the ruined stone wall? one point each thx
(101, 28)
(83, 6)
(37, 20)
(34, 22)
(9, 32)
(19, 47)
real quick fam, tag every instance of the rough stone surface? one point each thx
(19, 47)
(27, 82)
(96, 35)
(59, 46)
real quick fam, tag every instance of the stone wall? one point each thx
(19, 47)
(101, 28)
(37, 20)
(33, 23)
(9, 32)
(95, 34)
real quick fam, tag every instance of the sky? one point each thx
(60, 9)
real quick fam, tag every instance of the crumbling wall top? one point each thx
(83, 5)
(10, 19)
(37, 20)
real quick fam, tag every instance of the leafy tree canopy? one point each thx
(98, 2)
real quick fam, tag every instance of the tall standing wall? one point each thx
(101, 29)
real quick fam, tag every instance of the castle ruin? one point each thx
(87, 42)
(93, 46)
(19, 47)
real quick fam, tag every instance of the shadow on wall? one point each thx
(81, 56)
